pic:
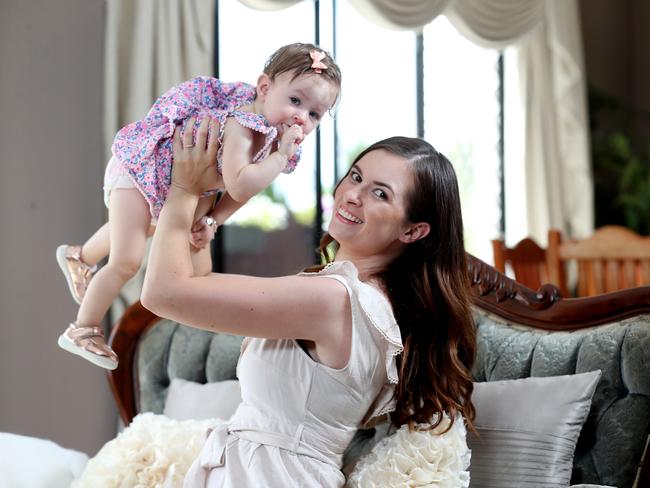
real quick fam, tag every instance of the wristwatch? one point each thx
(211, 222)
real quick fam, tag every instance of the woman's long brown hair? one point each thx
(429, 291)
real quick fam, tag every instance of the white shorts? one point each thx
(115, 177)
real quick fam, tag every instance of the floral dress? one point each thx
(142, 150)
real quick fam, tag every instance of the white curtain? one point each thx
(401, 14)
(559, 183)
(495, 23)
(150, 46)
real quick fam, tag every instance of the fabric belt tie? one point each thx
(271, 438)
(213, 453)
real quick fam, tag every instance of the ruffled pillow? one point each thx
(422, 458)
(152, 452)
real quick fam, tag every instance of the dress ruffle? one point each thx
(251, 121)
(379, 312)
(258, 123)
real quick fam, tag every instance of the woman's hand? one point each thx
(195, 160)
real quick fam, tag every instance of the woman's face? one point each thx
(369, 215)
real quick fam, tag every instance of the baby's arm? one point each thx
(203, 230)
(243, 179)
(225, 207)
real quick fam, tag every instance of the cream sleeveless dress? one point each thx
(298, 416)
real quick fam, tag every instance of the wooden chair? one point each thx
(614, 258)
(527, 260)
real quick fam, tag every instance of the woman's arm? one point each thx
(241, 177)
(296, 307)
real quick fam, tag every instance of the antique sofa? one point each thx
(521, 333)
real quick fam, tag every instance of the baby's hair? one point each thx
(295, 57)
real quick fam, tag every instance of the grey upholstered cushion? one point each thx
(611, 443)
(528, 429)
(169, 350)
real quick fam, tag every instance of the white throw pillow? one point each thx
(422, 458)
(188, 400)
(28, 462)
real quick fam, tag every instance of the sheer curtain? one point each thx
(559, 185)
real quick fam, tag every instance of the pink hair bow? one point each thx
(317, 57)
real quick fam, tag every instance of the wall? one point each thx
(50, 190)
(605, 28)
(641, 61)
(617, 50)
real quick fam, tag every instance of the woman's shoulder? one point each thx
(346, 272)
(369, 305)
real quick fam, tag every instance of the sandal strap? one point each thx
(73, 252)
(77, 333)
(91, 339)
(86, 335)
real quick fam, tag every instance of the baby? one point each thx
(260, 129)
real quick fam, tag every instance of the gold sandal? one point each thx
(88, 342)
(76, 272)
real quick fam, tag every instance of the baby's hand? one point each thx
(290, 141)
(203, 231)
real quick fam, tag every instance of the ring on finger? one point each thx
(187, 146)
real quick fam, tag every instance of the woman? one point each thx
(385, 327)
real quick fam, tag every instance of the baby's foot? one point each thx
(88, 342)
(76, 272)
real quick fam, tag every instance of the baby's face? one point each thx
(303, 101)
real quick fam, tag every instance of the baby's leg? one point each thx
(97, 247)
(202, 259)
(128, 225)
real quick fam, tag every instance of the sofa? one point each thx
(521, 334)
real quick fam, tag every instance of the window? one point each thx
(378, 93)
(461, 108)
(276, 233)
(273, 233)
